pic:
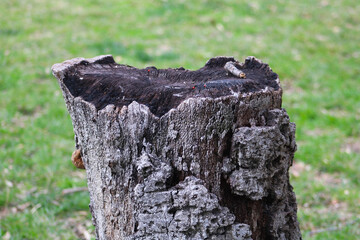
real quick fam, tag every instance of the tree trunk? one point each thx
(179, 154)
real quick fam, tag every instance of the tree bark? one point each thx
(179, 154)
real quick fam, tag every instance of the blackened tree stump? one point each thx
(179, 154)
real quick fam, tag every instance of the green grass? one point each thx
(312, 45)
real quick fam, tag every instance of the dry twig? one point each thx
(73, 190)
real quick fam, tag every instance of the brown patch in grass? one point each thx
(320, 177)
(289, 88)
(298, 168)
(6, 211)
(336, 112)
(24, 115)
(330, 207)
(351, 145)
(327, 179)
(322, 204)
(80, 224)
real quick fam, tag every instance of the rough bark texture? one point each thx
(185, 155)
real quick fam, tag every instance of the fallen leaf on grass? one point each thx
(7, 236)
(298, 168)
(320, 177)
(23, 206)
(35, 208)
(327, 179)
(13, 210)
(82, 233)
(9, 184)
(79, 223)
(351, 145)
(81, 175)
(4, 212)
(340, 208)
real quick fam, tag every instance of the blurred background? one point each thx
(314, 46)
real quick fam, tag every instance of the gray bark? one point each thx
(211, 168)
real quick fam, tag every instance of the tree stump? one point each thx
(180, 154)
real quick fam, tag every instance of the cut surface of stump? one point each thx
(180, 154)
(106, 82)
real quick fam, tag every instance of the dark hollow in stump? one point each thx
(180, 154)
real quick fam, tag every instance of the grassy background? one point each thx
(312, 45)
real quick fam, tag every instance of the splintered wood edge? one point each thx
(59, 70)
